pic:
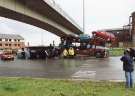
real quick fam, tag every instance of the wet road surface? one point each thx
(79, 68)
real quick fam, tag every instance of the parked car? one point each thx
(7, 55)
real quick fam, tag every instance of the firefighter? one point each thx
(65, 53)
(71, 52)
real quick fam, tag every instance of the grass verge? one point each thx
(46, 87)
(116, 51)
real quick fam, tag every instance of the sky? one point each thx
(99, 14)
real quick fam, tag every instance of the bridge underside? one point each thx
(26, 19)
(37, 13)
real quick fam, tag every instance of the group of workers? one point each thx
(69, 52)
(50, 53)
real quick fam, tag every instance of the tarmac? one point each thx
(84, 68)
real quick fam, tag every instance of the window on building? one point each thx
(6, 39)
(14, 39)
(6, 44)
(18, 40)
(9, 39)
(18, 44)
(9, 44)
(15, 44)
(0, 39)
(0, 44)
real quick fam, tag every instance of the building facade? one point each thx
(11, 41)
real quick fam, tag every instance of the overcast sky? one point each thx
(99, 14)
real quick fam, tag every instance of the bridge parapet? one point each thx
(57, 8)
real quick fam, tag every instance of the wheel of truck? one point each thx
(98, 55)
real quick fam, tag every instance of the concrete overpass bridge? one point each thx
(45, 14)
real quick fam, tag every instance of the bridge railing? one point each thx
(56, 7)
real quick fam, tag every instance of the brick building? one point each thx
(11, 41)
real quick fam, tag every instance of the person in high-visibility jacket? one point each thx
(65, 53)
(71, 52)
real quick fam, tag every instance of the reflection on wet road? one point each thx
(54, 68)
(88, 68)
